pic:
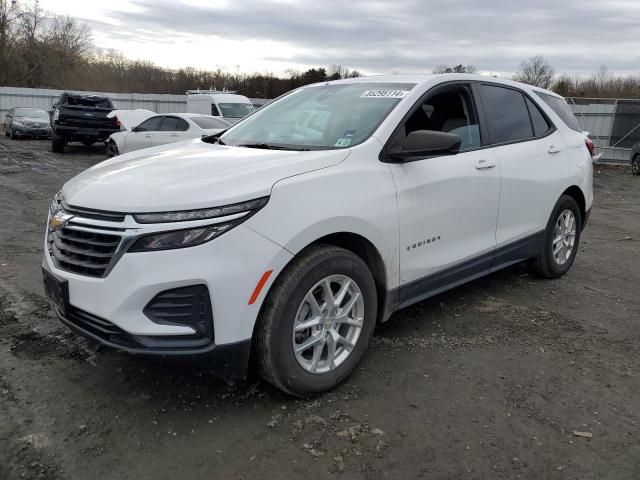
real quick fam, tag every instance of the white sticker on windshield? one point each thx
(384, 94)
(343, 142)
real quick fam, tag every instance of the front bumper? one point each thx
(32, 131)
(111, 309)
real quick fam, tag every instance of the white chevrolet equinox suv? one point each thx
(286, 238)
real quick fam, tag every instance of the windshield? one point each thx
(236, 110)
(24, 113)
(320, 117)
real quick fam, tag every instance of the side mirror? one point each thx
(136, 129)
(425, 143)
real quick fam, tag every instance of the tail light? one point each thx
(591, 147)
(118, 123)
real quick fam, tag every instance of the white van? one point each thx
(225, 104)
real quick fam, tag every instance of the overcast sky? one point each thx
(576, 36)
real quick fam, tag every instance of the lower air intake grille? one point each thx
(185, 307)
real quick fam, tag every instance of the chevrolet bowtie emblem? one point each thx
(59, 220)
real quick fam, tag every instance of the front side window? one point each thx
(449, 111)
(214, 110)
(562, 109)
(235, 110)
(507, 115)
(320, 117)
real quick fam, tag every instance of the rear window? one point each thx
(209, 123)
(89, 102)
(562, 109)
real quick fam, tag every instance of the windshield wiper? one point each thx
(269, 146)
(215, 138)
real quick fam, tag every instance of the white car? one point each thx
(162, 129)
(291, 235)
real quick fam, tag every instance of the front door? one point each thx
(447, 205)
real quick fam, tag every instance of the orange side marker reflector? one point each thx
(258, 289)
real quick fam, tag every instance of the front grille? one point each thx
(82, 252)
(93, 214)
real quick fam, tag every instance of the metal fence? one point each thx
(613, 124)
(45, 98)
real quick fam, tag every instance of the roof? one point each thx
(423, 79)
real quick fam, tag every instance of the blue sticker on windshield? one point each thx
(349, 134)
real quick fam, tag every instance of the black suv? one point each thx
(81, 118)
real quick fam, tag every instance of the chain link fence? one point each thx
(613, 125)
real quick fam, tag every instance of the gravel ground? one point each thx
(490, 380)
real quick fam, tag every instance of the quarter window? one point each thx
(562, 109)
(507, 115)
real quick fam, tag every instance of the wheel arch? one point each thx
(576, 193)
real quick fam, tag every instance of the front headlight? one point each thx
(189, 237)
(202, 214)
(16, 123)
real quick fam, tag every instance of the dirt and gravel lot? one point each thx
(489, 380)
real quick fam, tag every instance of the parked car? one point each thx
(226, 105)
(162, 129)
(291, 237)
(26, 122)
(81, 118)
(635, 159)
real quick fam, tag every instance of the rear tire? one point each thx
(57, 144)
(635, 165)
(561, 239)
(278, 332)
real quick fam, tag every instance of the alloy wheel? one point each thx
(328, 324)
(564, 237)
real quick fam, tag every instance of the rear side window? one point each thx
(151, 125)
(539, 122)
(174, 124)
(507, 114)
(214, 110)
(562, 109)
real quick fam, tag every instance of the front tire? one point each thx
(635, 165)
(317, 321)
(112, 149)
(561, 239)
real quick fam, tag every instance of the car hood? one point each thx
(189, 175)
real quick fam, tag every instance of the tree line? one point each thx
(41, 50)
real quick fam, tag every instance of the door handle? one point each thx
(148, 135)
(553, 149)
(485, 164)
(174, 135)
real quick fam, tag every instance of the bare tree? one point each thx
(535, 71)
(460, 68)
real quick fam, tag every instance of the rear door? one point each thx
(448, 204)
(173, 129)
(532, 156)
